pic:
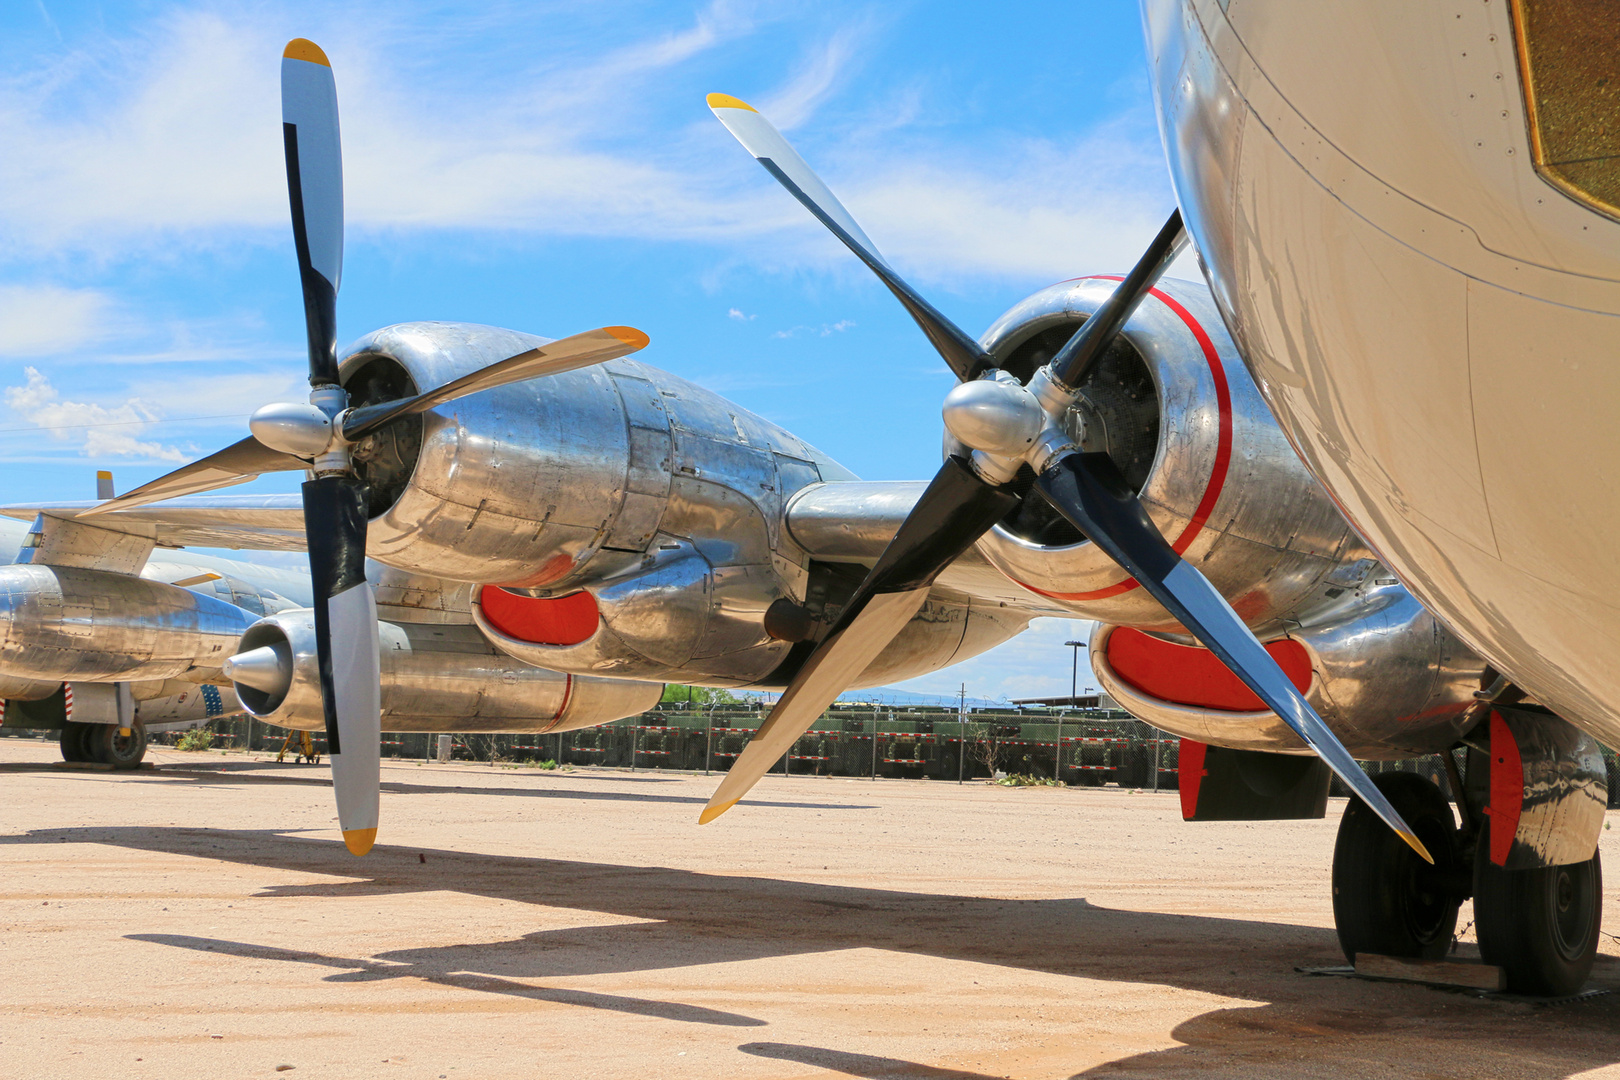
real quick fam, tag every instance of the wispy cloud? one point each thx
(124, 148)
(817, 78)
(42, 320)
(736, 314)
(105, 431)
(824, 330)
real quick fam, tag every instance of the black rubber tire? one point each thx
(105, 745)
(73, 741)
(1541, 927)
(1386, 900)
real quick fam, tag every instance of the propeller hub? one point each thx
(994, 414)
(268, 669)
(293, 428)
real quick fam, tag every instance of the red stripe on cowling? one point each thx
(1223, 450)
(568, 695)
(1192, 675)
(561, 620)
(1507, 789)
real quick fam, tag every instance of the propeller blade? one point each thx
(236, 464)
(335, 501)
(1097, 333)
(309, 127)
(1090, 492)
(955, 510)
(346, 650)
(581, 350)
(771, 150)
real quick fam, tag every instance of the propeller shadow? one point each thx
(244, 773)
(433, 968)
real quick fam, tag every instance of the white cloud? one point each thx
(148, 147)
(824, 330)
(107, 432)
(736, 313)
(794, 103)
(40, 320)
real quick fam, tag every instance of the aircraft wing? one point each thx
(852, 521)
(255, 522)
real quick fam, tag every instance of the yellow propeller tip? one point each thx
(304, 49)
(359, 841)
(630, 336)
(1417, 846)
(726, 101)
(714, 810)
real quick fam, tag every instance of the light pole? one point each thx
(1074, 685)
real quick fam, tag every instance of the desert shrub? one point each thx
(198, 738)
(1022, 780)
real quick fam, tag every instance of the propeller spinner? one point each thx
(316, 437)
(1007, 425)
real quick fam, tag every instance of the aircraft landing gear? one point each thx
(108, 745)
(1386, 900)
(102, 743)
(73, 739)
(1540, 926)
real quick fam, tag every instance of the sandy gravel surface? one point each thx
(203, 920)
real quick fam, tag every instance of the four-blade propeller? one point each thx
(1007, 426)
(317, 437)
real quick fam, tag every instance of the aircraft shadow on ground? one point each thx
(687, 918)
(245, 774)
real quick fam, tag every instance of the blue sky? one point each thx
(551, 168)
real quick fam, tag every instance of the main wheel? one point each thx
(1386, 900)
(1539, 926)
(105, 744)
(74, 741)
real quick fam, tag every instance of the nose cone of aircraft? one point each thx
(267, 669)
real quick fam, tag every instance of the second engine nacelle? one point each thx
(435, 677)
(62, 623)
(1388, 678)
(1173, 405)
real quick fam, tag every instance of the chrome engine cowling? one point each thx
(61, 623)
(547, 484)
(519, 484)
(437, 677)
(1388, 678)
(1173, 405)
(676, 617)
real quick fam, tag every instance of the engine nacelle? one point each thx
(435, 677)
(677, 617)
(520, 484)
(1173, 405)
(1388, 678)
(62, 623)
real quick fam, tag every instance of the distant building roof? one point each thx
(1080, 701)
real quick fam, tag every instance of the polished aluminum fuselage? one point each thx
(1433, 323)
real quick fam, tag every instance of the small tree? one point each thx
(700, 695)
(986, 744)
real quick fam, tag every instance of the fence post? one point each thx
(1158, 745)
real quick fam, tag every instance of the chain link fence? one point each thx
(1088, 748)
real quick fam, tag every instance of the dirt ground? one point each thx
(203, 920)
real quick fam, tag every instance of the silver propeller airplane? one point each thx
(589, 519)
